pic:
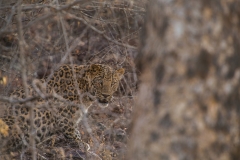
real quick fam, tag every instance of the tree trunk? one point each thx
(188, 105)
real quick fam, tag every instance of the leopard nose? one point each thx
(105, 95)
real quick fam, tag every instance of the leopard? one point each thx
(75, 88)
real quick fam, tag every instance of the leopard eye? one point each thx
(114, 83)
(97, 82)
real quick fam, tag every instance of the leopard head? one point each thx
(105, 82)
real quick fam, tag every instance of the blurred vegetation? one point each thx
(188, 101)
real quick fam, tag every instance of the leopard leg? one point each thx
(70, 131)
(81, 143)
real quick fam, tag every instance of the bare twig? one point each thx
(16, 100)
(9, 20)
(98, 31)
(56, 9)
(22, 46)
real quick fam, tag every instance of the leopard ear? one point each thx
(94, 66)
(120, 72)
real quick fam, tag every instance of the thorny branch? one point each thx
(98, 31)
(61, 9)
(22, 47)
(56, 9)
(31, 99)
